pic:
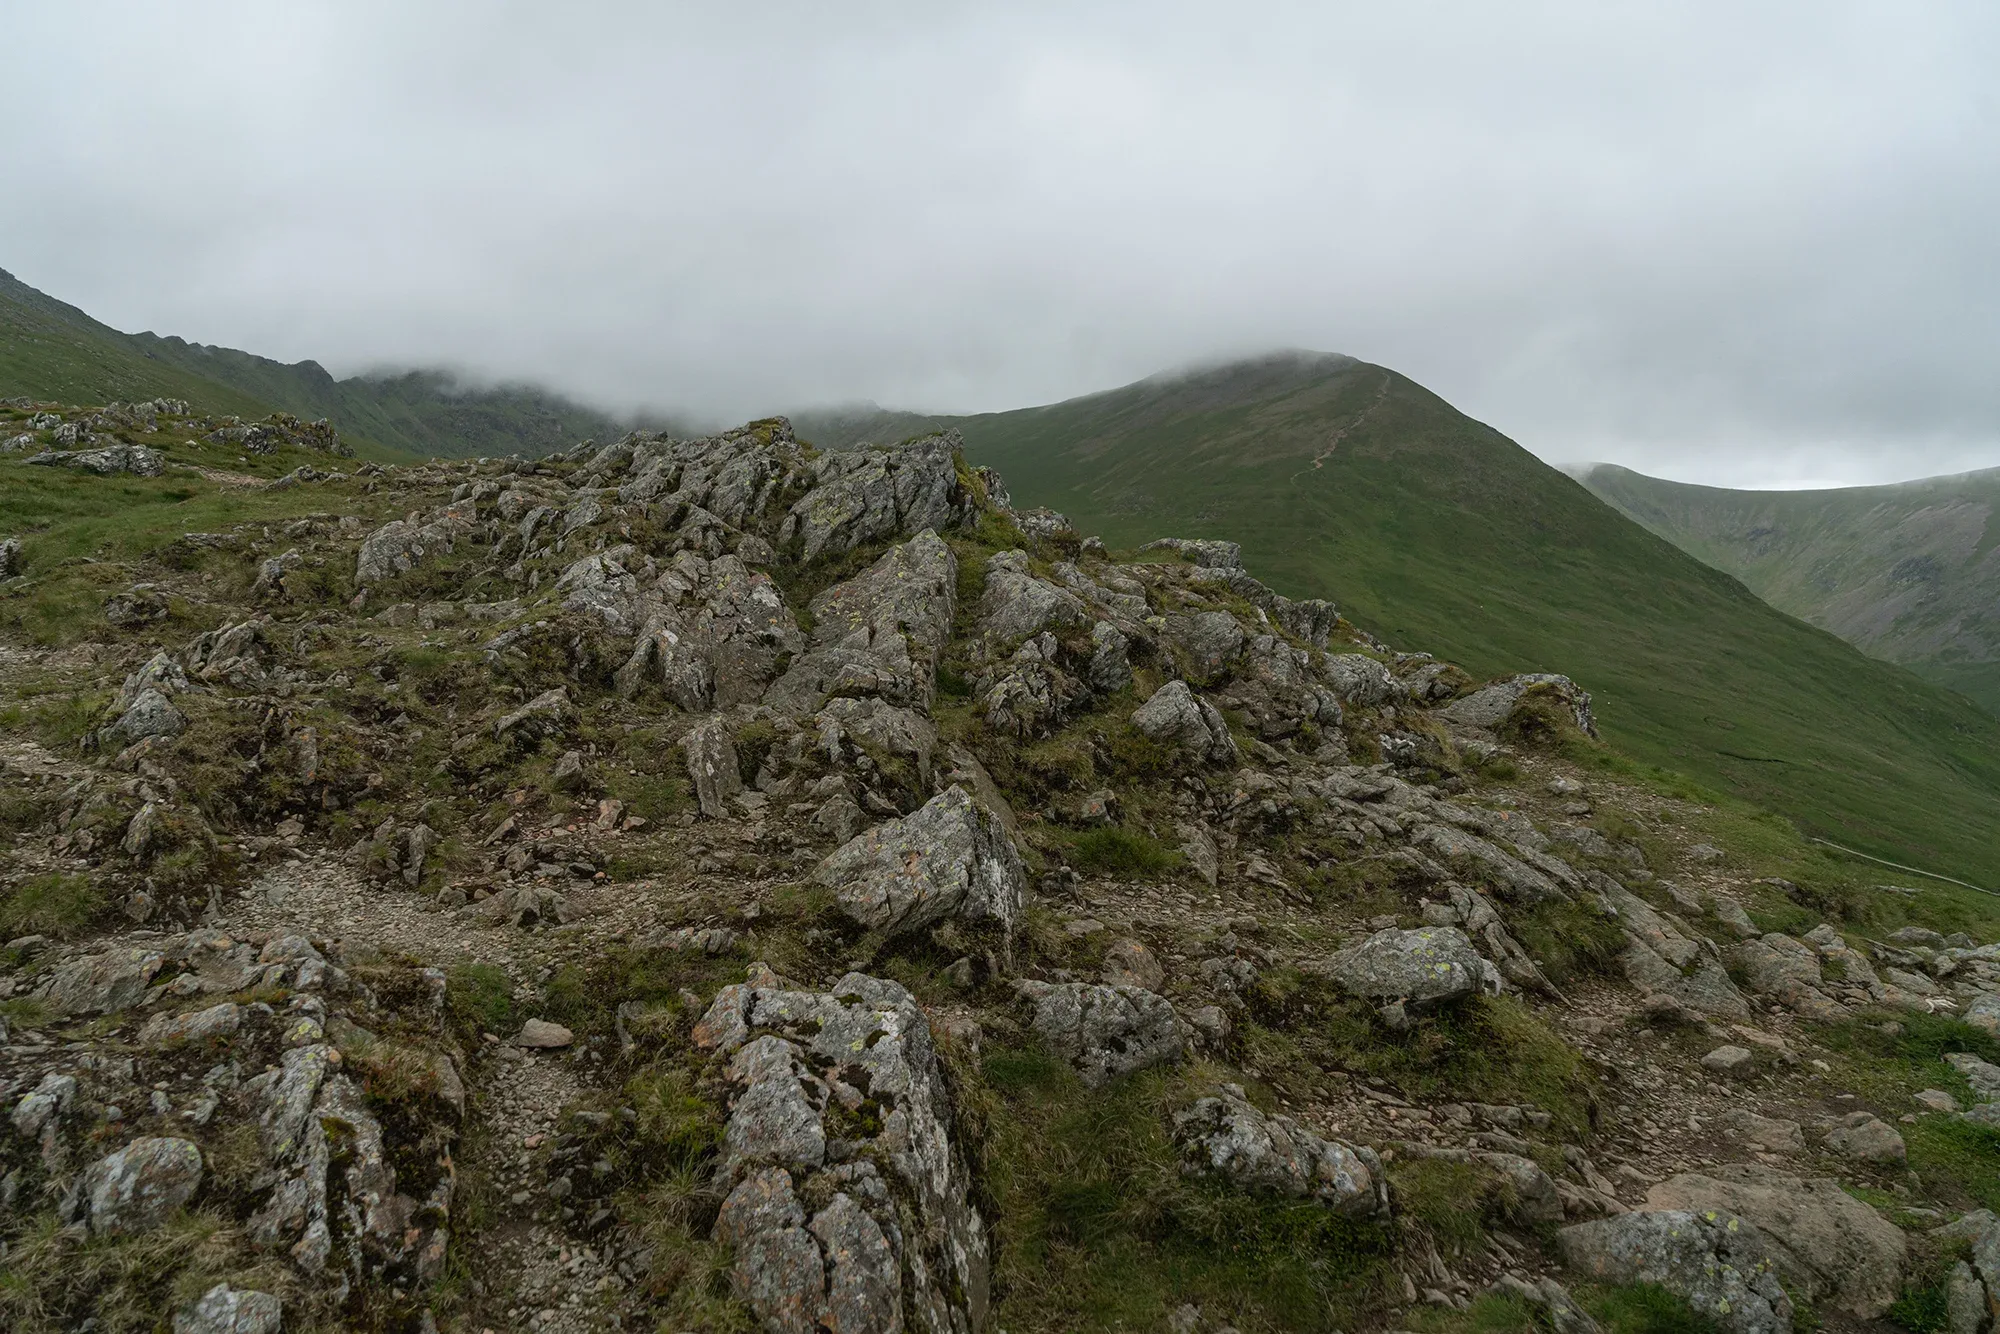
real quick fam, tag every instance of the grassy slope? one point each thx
(1908, 572)
(1439, 533)
(53, 351)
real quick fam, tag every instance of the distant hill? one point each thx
(1909, 573)
(51, 350)
(1349, 481)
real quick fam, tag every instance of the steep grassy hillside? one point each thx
(1909, 573)
(1349, 481)
(50, 350)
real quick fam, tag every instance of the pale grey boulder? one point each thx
(1016, 604)
(1432, 965)
(836, 1222)
(102, 983)
(1104, 1032)
(151, 714)
(710, 748)
(1830, 1248)
(951, 858)
(1717, 1262)
(1110, 669)
(172, 1030)
(1866, 1138)
(1493, 704)
(1359, 680)
(139, 460)
(1209, 642)
(880, 633)
(869, 495)
(1226, 1136)
(226, 1310)
(871, 725)
(1176, 716)
(141, 1185)
(400, 545)
(548, 714)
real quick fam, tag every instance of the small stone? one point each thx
(1936, 1100)
(543, 1034)
(1728, 1060)
(226, 1310)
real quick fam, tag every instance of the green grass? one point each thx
(1114, 850)
(1957, 1161)
(1440, 534)
(1096, 1228)
(51, 904)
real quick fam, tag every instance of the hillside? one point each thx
(54, 352)
(723, 885)
(1908, 573)
(1348, 481)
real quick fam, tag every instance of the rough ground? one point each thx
(713, 884)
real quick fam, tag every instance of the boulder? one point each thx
(171, 1030)
(1128, 963)
(102, 983)
(1016, 604)
(141, 1185)
(1224, 1135)
(869, 495)
(543, 1035)
(400, 545)
(951, 858)
(1210, 552)
(1176, 716)
(1110, 669)
(1207, 642)
(135, 459)
(712, 765)
(1829, 1247)
(1104, 1032)
(150, 714)
(1865, 1138)
(1982, 1075)
(1491, 706)
(1728, 1060)
(226, 1310)
(880, 633)
(1771, 1134)
(1983, 1013)
(848, 1206)
(547, 714)
(1429, 966)
(1716, 1262)
(1359, 680)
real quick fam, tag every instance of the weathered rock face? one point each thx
(1207, 642)
(830, 1231)
(1359, 680)
(135, 459)
(1205, 551)
(861, 496)
(547, 714)
(1016, 604)
(1828, 1246)
(141, 1185)
(1715, 1261)
(712, 765)
(1104, 1031)
(1491, 706)
(400, 545)
(1866, 1138)
(226, 1310)
(951, 858)
(1177, 717)
(1225, 1135)
(1429, 966)
(150, 714)
(102, 983)
(879, 633)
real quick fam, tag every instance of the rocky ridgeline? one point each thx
(100, 440)
(824, 745)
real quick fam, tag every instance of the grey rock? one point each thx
(1771, 1134)
(141, 1185)
(1706, 988)
(949, 859)
(1983, 1013)
(869, 495)
(1982, 1075)
(547, 714)
(1175, 716)
(1431, 965)
(170, 1030)
(1205, 551)
(102, 983)
(712, 765)
(1479, 860)
(399, 546)
(839, 818)
(1359, 680)
(1128, 963)
(1311, 620)
(1225, 1135)
(879, 633)
(542, 1034)
(42, 1105)
(1104, 1032)
(1865, 1138)
(1728, 1060)
(1965, 1301)
(1829, 1247)
(1016, 604)
(226, 1310)
(1717, 1262)
(1110, 669)
(151, 714)
(873, 1232)
(1208, 641)
(1491, 706)
(10, 558)
(878, 727)
(1198, 846)
(135, 459)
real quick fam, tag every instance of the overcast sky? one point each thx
(1744, 243)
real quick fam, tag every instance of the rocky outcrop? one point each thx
(1176, 716)
(879, 633)
(1104, 1032)
(950, 859)
(849, 1207)
(401, 545)
(140, 1186)
(1412, 971)
(137, 460)
(1716, 1262)
(1226, 1136)
(1016, 604)
(869, 495)
(1829, 1247)
(712, 766)
(1492, 705)
(226, 1310)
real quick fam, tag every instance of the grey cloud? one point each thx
(1729, 242)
